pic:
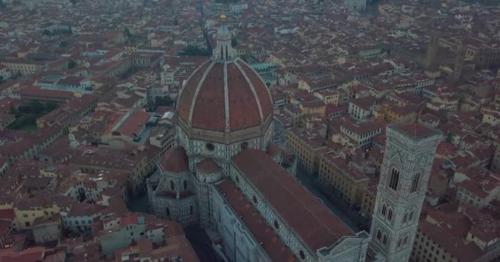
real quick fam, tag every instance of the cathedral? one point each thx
(225, 175)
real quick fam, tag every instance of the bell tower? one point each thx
(405, 172)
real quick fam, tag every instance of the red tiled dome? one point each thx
(224, 97)
(207, 166)
(175, 160)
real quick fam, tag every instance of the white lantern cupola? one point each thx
(224, 51)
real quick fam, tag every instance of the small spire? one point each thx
(224, 50)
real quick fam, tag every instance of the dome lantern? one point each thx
(224, 50)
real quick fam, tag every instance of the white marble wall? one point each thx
(356, 245)
(239, 243)
(181, 209)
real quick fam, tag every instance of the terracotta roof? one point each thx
(207, 166)
(206, 103)
(7, 214)
(27, 255)
(361, 128)
(33, 92)
(129, 219)
(366, 103)
(257, 225)
(316, 225)
(175, 160)
(449, 229)
(134, 124)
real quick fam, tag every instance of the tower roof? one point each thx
(415, 130)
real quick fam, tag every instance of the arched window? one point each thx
(302, 255)
(384, 210)
(389, 214)
(254, 198)
(385, 240)
(185, 185)
(393, 183)
(191, 210)
(276, 224)
(414, 183)
(168, 212)
(379, 234)
(411, 216)
(405, 218)
(172, 185)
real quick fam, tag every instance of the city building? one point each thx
(339, 178)
(450, 233)
(308, 146)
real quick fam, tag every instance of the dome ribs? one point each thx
(208, 110)
(244, 108)
(224, 97)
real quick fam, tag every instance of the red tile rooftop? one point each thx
(34, 92)
(129, 219)
(362, 128)
(207, 166)
(449, 229)
(175, 160)
(415, 131)
(304, 213)
(7, 214)
(27, 255)
(257, 225)
(134, 124)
